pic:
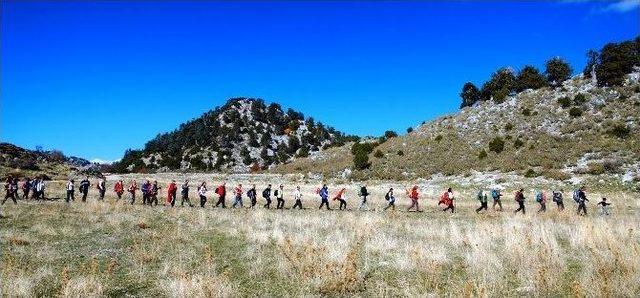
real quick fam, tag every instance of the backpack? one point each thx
(265, 193)
(386, 196)
(576, 195)
(539, 197)
(275, 193)
(495, 194)
(480, 196)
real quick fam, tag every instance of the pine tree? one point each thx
(557, 71)
(470, 95)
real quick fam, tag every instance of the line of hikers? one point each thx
(150, 190)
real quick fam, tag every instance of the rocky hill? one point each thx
(52, 164)
(244, 135)
(577, 127)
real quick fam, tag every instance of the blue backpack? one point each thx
(539, 196)
(576, 195)
(495, 194)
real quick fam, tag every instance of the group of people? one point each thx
(150, 191)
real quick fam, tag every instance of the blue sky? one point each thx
(93, 79)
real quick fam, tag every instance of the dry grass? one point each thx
(101, 248)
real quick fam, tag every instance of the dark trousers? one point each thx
(582, 206)
(203, 200)
(543, 207)
(497, 202)
(343, 204)
(450, 207)
(392, 204)
(483, 205)
(324, 202)
(119, 194)
(297, 204)
(254, 201)
(84, 195)
(153, 199)
(25, 194)
(172, 198)
(221, 202)
(10, 195)
(280, 204)
(185, 198)
(268, 204)
(102, 194)
(70, 196)
(414, 204)
(560, 205)
(520, 207)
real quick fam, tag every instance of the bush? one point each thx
(410, 130)
(595, 168)
(619, 130)
(482, 154)
(530, 78)
(518, 143)
(579, 99)
(438, 138)
(615, 61)
(378, 154)
(361, 160)
(365, 147)
(557, 71)
(530, 173)
(508, 127)
(400, 153)
(470, 95)
(575, 112)
(556, 175)
(564, 102)
(496, 145)
(501, 84)
(526, 112)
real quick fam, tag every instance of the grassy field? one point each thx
(111, 248)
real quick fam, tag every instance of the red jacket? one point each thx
(171, 190)
(118, 187)
(444, 199)
(413, 194)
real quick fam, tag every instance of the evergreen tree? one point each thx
(470, 95)
(557, 71)
(616, 61)
(530, 78)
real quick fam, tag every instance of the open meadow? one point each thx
(111, 248)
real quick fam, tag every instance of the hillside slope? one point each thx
(241, 136)
(54, 164)
(576, 128)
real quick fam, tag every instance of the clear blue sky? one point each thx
(93, 79)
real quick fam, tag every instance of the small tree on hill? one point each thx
(470, 95)
(557, 71)
(530, 78)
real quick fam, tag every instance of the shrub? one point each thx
(508, 127)
(496, 145)
(595, 168)
(438, 138)
(378, 154)
(526, 112)
(557, 71)
(575, 112)
(365, 147)
(410, 130)
(556, 175)
(390, 134)
(470, 95)
(579, 99)
(564, 102)
(616, 60)
(530, 173)
(619, 130)
(482, 154)
(518, 143)
(400, 153)
(530, 78)
(361, 160)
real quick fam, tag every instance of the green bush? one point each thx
(482, 154)
(518, 143)
(378, 154)
(438, 138)
(410, 130)
(400, 153)
(361, 160)
(530, 173)
(575, 112)
(508, 127)
(564, 102)
(526, 112)
(579, 99)
(496, 145)
(619, 130)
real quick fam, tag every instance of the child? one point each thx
(605, 206)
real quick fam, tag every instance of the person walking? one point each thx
(237, 193)
(221, 191)
(132, 191)
(496, 195)
(482, 197)
(84, 188)
(297, 195)
(279, 193)
(324, 196)
(102, 188)
(605, 206)
(185, 194)
(363, 196)
(266, 194)
(582, 201)
(519, 198)
(172, 190)
(202, 192)
(391, 200)
(253, 196)
(342, 198)
(9, 191)
(26, 188)
(70, 191)
(146, 191)
(449, 200)
(541, 198)
(118, 188)
(414, 196)
(153, 193)
(41, 188)
(557, 198)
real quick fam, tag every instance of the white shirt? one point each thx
(297, 195)
(202, 190)
(69, 185)
(451, 196)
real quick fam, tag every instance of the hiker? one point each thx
(413, 195)
(541, 198)
(9, 191)
(391, 199)
(102, 188)
(324, 196)
(221, 191)
(482, 197)
(84, 188)
(145, 188)
(252, 195)
(237, 193)
(297, 195)
(279, 193)
(605, 206)
(185, 193)
(202, 191)
(132, 191)
(172, 189)
(496, 194)
(153, 193)
(519, 197)
(342, 198)
(40, 188)
(581, 198)
(118, 188)
(447, 198)
(70, 191)
(26, 187)
(557, 198)
(266, 194)
(363, 195)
